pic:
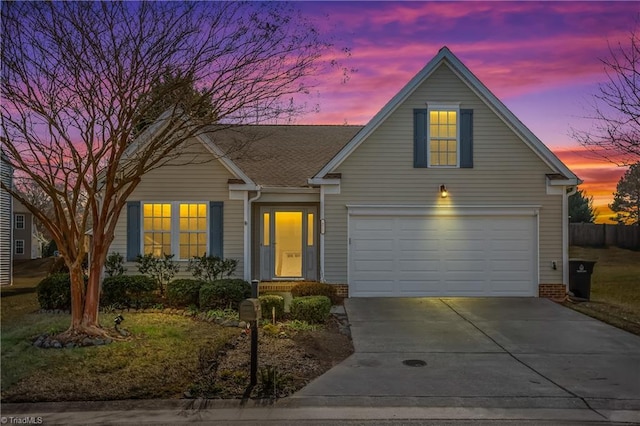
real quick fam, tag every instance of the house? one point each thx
(6, 253)
(443, 193)
(25, 243)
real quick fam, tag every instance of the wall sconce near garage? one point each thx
(443, 191)
(322, 226)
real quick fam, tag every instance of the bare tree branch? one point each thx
(615, 133)
(77, 82)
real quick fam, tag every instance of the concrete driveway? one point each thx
(482, 352)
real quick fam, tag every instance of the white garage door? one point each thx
(442, 255)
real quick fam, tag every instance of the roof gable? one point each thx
(446, 57)
(278, 155)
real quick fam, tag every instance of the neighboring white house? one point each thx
(6, 253)
(25, 243)
(443, 193)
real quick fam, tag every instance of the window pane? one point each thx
(443, 138)
(184, 252)
(184, 238)
(202, 224)
(310, 228)
(184, 210)
(202, 210)
(202, 239)
(265, 227)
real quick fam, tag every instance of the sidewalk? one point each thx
(290, 411)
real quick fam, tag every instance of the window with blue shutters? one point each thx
(185, 229)
(443, 137)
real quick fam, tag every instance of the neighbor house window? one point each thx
(443, 137)
(175, 228)
(19, 221)
(19, 247)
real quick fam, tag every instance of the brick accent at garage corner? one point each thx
(552, 291)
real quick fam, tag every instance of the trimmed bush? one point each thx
(128, 291)
(312, 288)
(184, 292)
(312, 309)
(223, 294)
(270, 301)
(54, 292)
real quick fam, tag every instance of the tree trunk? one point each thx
(85, 299)
(76, 276)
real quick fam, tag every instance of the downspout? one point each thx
(566, 193)
(247, 232)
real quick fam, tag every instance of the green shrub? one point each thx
(312, 288)
(54, 292)
(128, 291)
(114, 265)
(211, 268)
(161, 269)
(270, 301)
(222, 294)
(184, 292)
(312, 309)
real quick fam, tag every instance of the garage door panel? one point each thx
(509, 266)
(419, 265)
(430, 256)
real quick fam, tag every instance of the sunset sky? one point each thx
(542, 59)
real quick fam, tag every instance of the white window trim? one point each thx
(24, 221)
(175, 225)
(443, 106)
(15, 247)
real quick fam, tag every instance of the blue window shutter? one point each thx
(133, 230)
(466, 138)
(215, 228)
(419, 138)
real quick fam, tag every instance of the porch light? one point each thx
(443, 191)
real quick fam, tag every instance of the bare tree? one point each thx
(77, 81)
(615, 135)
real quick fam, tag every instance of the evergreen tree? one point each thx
(626, 199)
(581, 208)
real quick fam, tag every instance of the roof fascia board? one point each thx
(226, 162)
(447, 57)
(387, 110)
(513, 122)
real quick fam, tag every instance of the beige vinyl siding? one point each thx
(506, 172)
(204, 180)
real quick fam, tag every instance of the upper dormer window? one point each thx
(443, 138)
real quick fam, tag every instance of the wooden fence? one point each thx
(602, 235)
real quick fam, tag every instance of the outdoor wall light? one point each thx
(443, 191)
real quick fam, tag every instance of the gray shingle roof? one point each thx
(282, 155)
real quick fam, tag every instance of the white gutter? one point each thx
(565, 233)
(247, 231)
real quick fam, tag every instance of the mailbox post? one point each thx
(250, 311)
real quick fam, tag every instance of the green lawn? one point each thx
(161, 360)
(615, 286)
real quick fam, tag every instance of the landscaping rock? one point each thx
(70, 345)
(87, 342)
(98, 342)
(55, 344)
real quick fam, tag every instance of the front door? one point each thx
(288, 243)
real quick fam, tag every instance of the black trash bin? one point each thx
(580, 277)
